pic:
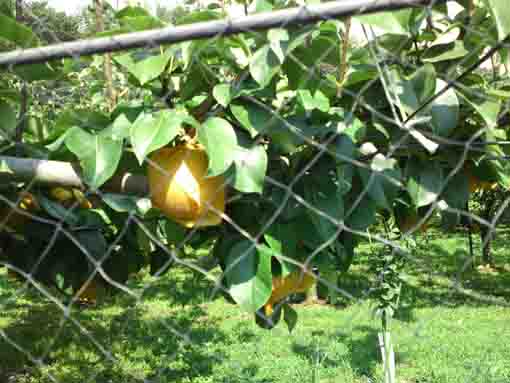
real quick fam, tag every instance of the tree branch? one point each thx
(66, 174)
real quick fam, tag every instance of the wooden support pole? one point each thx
(66, 174)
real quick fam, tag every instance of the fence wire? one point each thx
(102, 288)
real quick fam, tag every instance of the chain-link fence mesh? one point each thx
(256, 198)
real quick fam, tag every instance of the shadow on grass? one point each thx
(362, 353)
(160, 338)
(436, 265)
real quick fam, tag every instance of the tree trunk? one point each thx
(19, 10)
(108, 71)
(486, 236)
(486, 233)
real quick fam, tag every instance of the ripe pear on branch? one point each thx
(181, 188)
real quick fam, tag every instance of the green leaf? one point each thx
(93, 242)
(425, 182)
(258, 6)
(264, 64)
(145, 70)
(353, 128)
(175, 233)
(223, 93)
(7, 8)
(220, 142)
(363, 214)
(456, 192)
(119, 202)
(16, 33)
(444, 111)
(58, 211)
(198, 16)
(249, 276)
(131, 11)
(37, 72)
(487, 107)
(327, 203)
(438, 53)
(412, 92)
(390, 22)
(290, 317)
(198, 79)
(501, 14)
(283, 242)
(253, 118)
(120, 128)
(153, 131)
(310, 102)
(250, 169)
(278, 39)
(380, 189)
(8, 121)
(99, 155)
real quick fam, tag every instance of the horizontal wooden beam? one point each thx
(66, 174)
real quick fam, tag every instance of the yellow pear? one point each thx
(180, 187)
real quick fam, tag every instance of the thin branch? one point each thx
(22, 118)
(108, 72)
(345, 50)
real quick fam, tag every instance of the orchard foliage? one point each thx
(309, 157)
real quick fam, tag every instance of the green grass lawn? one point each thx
(176, 333)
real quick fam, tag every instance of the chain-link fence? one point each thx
(256, 191)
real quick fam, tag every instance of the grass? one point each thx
(175, 333)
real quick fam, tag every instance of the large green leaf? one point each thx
(153, 131)
(16, 33)
(99, 155)
(249, 276)
(487, 107)
(363, 213)
(119, 202)
(444, 111)
(290, 317)
(445, 52)
(224, 93)
(410, 93)
(396, 22)
(37, 72)
(501, 13)
(327, 204)
(264, 64)
(283, 241)
(255, 119)
(375, 179)
(250, 169)
(58, 212)
(120, 128)
(93, 243)
(425, 182)
(311, 101)
(220, 141)
(145, 70)
(456, 192)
